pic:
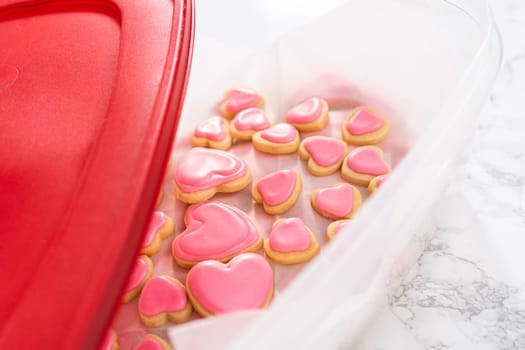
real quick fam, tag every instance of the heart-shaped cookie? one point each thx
(152, 342)
(213, 132)
(278, 191)
(363, 164)
(245, 283)
(202, 172)
(281, 138)
(238, 99)
(291, 242)
(376, 182)
(248, 122)
(340, 201)
(163, 299)
(160, 227)
(324, 154)
(309, 115)
(363, 127)
(335, 228)
(214, 231)
(141, 273)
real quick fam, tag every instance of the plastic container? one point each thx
(428, 65)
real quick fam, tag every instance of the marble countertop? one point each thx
(468, 288)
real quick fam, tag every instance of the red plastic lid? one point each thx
(90, 94)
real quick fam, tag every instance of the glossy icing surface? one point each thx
(290, 235)
(280, 133)
(325, 151)
(305, 112)
(277, 187)
(158, 219)
(139, 273)
(214, 230)
(251, 119)
(160, 294)
(366, 160)
(212, 128)
(244, 283)
(364, 122)
(336, 201)
(203, 168)
(241, 98)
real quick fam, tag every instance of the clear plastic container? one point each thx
(427, 65)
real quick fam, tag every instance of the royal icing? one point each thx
(214, 231)
(139, 273)
(364, 122)
(277, 187)
(160, 294)
(325, 151)
(109, 340)
(244, 283)
(212, 128)
(380, 180)
(251, 119)
(158, 219)
(305, 112)
(366, 160)
(203, 168)
(280, 133)
(336, 201)
(290, 235)
(241, 98)
(148, 344)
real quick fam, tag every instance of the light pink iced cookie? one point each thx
(340, 201)
(202, 172)
(245, 283)
(309, 115)
(160, 227)
(376, 182)
(248, 122)
(324, 154)
(278, 191)
(291, 242)
(281, 138)
(364, 127)
(214, 231)
(152, 342)
(141, 273)
(163, 299)
(213, 132)
(239, 99)
(335, 228)
(110, 341)
(363, 164)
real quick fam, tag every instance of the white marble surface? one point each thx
(468, 288)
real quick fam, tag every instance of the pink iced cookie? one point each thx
(376, 182)
(160, 227)
(245, 283)
(152, 342)
(340, 201)
(202, 172)
(281, 138)
(163, 299)
(213, 132)
(278, 191)
(214, 231)
(248, 122)
(309, 115)
(110, 341)
(363, 164)
(324, 154)
(239, 99)
(141, 273)
(291, 242)
(363, 127)
(335, 228)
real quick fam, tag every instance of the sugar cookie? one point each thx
(214, 231)
(324, 154)
(160, 227)
(248, 122)
(152, 342)
(141, 273)
(239, 99)
(245, 283)
(363, 164)
(363, 127)
(376, 182)
(278, 191)
(309, 115)
(163, 299)
(291, 242)
(281, 138)
(335, 228)
(340, 201)
(202, 172)
(213, 132)
(110, 341)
